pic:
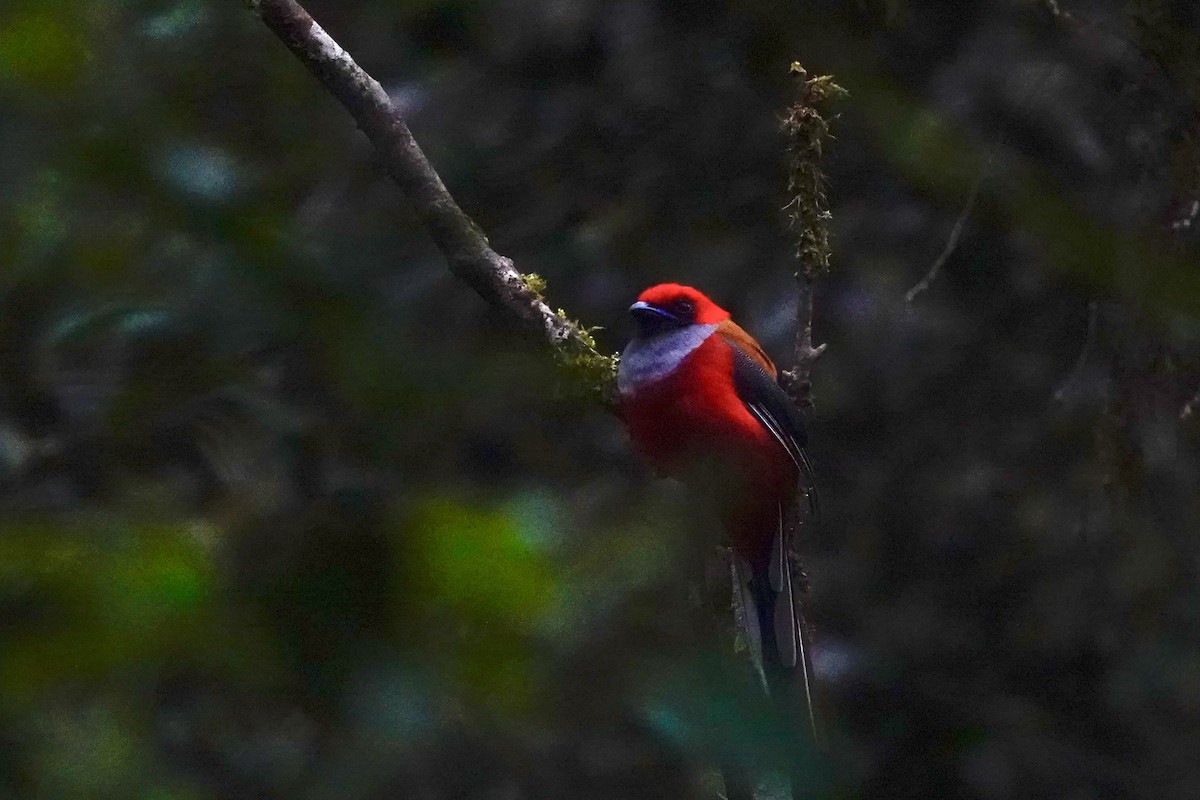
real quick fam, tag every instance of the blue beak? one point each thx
(646, 311)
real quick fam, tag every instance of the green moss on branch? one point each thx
(808, 208)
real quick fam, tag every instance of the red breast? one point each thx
(684, 415)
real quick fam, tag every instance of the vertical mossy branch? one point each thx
(808, 214)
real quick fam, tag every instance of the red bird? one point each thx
(702, 403)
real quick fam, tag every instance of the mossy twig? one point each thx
(807, 132)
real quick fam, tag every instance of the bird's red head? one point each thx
(670, 305)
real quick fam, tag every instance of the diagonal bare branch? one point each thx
(954, 238)
(1085, 352)
(463, 243)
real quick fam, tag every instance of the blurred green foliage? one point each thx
(477, 571)
(42, 49)
(99, 594)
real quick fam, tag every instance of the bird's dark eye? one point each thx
(684, 309)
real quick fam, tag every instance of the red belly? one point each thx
(692, 425)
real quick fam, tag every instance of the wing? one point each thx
(773, 408)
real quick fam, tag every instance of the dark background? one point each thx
(288, 512)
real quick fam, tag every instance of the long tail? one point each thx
(787, 641)
(769, 601)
